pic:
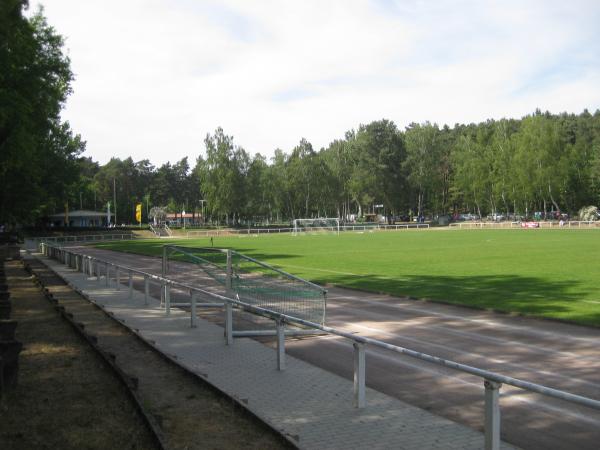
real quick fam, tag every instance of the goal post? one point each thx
(317, 225)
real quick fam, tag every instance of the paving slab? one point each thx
(313, 408)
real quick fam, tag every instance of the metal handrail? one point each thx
(492, 380)
(513, 224)
(281, 272)
(248, 258)
(76, 238)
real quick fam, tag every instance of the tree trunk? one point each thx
(552, 199)
(359, 208)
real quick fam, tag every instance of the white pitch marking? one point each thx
(326, 270)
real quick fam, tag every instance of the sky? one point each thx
(153, 77)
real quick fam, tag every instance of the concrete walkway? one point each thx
(310, 406)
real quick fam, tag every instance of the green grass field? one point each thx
(547, 273)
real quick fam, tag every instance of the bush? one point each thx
(588, 213)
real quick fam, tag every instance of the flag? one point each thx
(138, 212)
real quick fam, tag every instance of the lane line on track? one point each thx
(480, 337)
(509, 363)
(491, 323)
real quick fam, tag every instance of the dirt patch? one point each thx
(189, 412)
(66, 397)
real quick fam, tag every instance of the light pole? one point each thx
(115, 198)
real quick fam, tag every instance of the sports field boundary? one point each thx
(290, 230)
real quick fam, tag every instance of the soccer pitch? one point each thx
(547, 273)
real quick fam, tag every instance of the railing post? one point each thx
(228, 323)
(118, 277)
(229, 272)
(98, 275)
(280, 345)
(146, 289)
(193, 310)
(167, 299)
(107, 273)
(359, 375)
(492, 415)
(130, 284)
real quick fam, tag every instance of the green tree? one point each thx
(222, 176)
(423, 147)
(37, 151)
(541, 161)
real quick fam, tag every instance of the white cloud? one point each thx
(153, 77)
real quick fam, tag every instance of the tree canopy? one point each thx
(38, 151)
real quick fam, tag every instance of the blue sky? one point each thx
(154, 76)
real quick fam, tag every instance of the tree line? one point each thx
(541, 162)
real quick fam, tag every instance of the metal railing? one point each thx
(542, 224)
(492, 381)
(33, 243)
(253, 281)
(256, 231)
